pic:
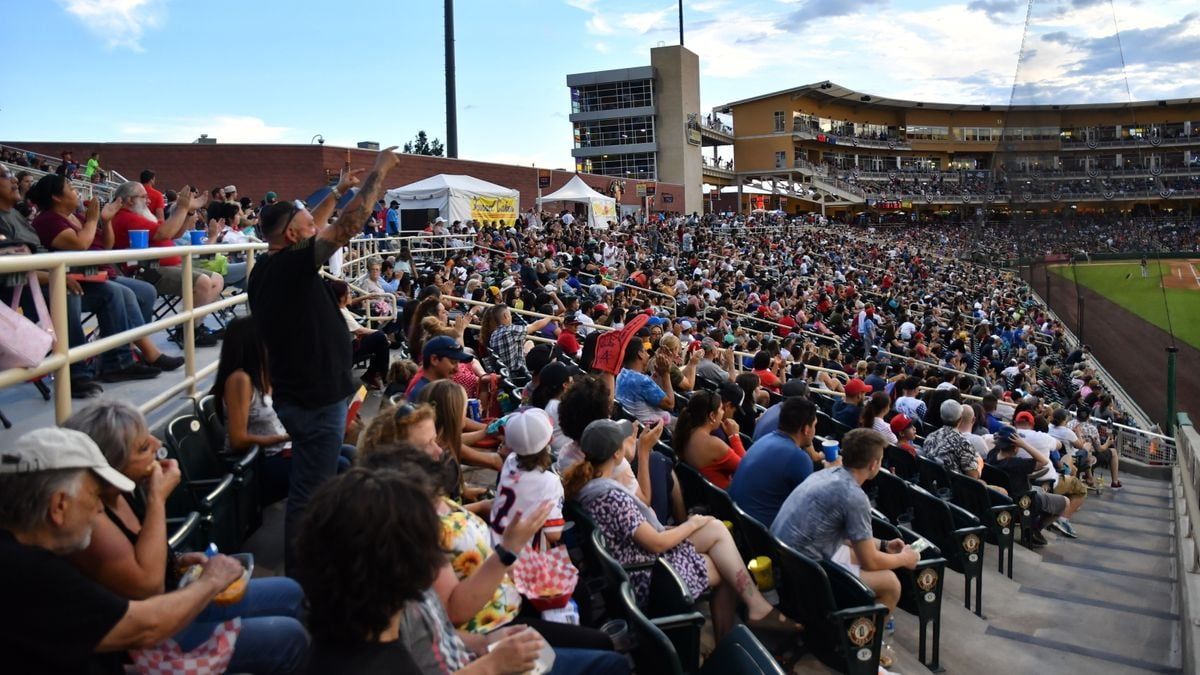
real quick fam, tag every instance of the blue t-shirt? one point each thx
(768, 422)
(846, 413)
(640, 395)
(824, 511)
(770, 471)
(393, 221)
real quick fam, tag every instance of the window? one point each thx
(923, 132)
(612, 96)
(640, 165)
(781, 160)
(618, 131)
(779, 121)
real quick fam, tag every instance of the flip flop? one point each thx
(775, 620)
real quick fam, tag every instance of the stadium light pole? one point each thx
(680, 23)
(1169, 423)
(451, 97)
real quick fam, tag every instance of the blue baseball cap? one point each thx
(445, 346)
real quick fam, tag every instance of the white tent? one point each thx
(459, 198)
(601, 209)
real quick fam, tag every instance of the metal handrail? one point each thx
(63, 355)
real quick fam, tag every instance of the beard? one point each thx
(79, 544)
(145, 212)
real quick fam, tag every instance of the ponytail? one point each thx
(574, 478)
(702, 404)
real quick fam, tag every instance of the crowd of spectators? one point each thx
(736, 336)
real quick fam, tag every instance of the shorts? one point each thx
(170, 280)
(842, 558)
(1048, 503)
(1070, 486)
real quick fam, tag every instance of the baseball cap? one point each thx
(856, 386)
(444, 345)
(271, 196)
(573, 317)
(439, 219)
(1024, 416)
(52, 448)
(1005, 436)
(603, 438)
(230, 189)
(951, 410)
(899, 423)
(528, 432)
(655, 321)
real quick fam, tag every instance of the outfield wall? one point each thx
(1132, 349)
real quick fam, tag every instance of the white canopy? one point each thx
(459, 197)
(601, 209)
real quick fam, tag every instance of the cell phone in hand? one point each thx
(920, 544)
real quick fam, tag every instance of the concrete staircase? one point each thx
(1104, 603)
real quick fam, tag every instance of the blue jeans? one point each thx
(272, 639)
(116, 308)
(277, 468)
(144, 293)
(568, 661)
(316, 445)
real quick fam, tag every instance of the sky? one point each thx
(282, 71)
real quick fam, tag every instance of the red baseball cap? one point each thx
(1024, 416)
(900, 423)
(856, 386)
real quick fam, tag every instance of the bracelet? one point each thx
(336, 193)
(507, 557)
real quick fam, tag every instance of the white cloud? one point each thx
(600, 47)
(599, 25)
(224, 128)
(645, 22)
(119, 23)
(585, 5)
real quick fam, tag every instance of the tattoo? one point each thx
(742, 583)
(351, 222)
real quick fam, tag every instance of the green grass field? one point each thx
(1143, 297)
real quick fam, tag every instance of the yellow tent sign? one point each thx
(494, 208)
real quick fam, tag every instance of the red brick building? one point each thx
(296, 171)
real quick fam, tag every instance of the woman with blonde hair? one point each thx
(449, 401)
(683, 375)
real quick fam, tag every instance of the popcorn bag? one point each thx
(210, 658)
(547, 578)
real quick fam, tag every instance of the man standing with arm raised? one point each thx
(306, 338)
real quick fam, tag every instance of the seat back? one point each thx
(891, 496)
(756, 539)
(214, 425)
(653, 651)
(933, 476)
(740, 653)
(933, 520)
(691, 485)
(197, 458)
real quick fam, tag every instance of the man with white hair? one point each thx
(950, 447)
(167, 278)
(50, 485)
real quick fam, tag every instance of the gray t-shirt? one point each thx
(825, 510)
(710, 370)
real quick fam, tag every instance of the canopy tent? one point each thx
(601, 209)
(459, 197)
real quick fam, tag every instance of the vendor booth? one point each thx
(601, 208)
(457, 197)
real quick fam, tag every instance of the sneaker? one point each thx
(1037, 539)
(1064, 528)
(1116, 485)
(164, 362)
(134, 371)
(82, 387)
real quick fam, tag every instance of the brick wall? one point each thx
(296, 171)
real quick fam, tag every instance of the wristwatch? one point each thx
(507, 557)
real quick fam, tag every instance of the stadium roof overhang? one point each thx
(830, 91)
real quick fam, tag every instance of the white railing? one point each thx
(63, 355)
(362, 250)
(83, 187)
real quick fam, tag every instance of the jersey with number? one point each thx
(522, 492)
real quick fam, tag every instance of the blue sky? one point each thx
(280, 71)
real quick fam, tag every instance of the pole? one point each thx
(680, 23)
(1169, 423)
(451, 97)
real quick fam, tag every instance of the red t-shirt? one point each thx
(49, 225)
(154, 199)
(127, 220)
(768, 380)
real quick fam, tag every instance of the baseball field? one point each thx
(1168, 296)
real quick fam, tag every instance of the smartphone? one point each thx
(920, 544)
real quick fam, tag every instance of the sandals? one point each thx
(775, 621)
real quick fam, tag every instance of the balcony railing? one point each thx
(62, 356)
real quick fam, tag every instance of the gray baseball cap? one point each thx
(603, 438)
(52, 448)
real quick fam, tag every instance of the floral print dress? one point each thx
(468, 542)
(618, 516)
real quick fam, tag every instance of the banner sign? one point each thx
(493, 208)
(543, 178)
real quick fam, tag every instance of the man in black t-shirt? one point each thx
(56, 620)
(1020, 468)
(307, 343)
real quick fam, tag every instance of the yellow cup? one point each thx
(760, 569)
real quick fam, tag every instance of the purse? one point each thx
(23, 343)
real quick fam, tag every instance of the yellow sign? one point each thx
(603, 210)
(494, 208)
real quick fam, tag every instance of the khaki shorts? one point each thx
(1069, 487)
(1050, 503)
(170, 281)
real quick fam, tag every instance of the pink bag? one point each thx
(23, 343)
(210, 658)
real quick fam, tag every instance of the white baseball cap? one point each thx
(52, 448)
(528, 432)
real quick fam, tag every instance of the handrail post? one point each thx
(62, 342)
(189, 327)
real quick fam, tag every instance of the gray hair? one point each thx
(126, 190)
(25, 497)
(114, 426)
